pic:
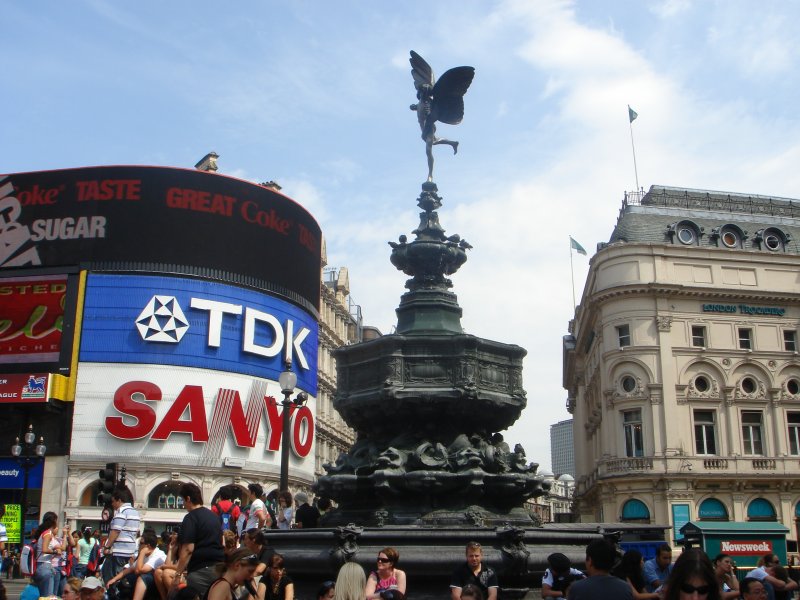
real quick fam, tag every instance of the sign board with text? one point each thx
(188, 416)
(12, 475)
(195, 323)
(206, 223)
(37, 313)
(30, 388)
(13, 522)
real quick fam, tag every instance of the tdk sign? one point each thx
(162, 320)
(188, 322)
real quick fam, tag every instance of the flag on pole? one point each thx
(632, 114)
(576, 246)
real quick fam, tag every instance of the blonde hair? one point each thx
(350, 582)
(229, 540)
(74, 583)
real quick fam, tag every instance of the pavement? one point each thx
(14, 587)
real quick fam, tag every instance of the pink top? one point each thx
(384, 584)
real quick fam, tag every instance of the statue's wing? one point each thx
(420, 70)
(448, 95)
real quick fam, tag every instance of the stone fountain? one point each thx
(430, 470)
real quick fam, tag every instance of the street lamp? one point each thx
(288, 381)
(27, 455)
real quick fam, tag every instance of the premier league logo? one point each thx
(162, 320)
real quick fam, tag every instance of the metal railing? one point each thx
(714, 201)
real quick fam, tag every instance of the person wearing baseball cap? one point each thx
(92, 588)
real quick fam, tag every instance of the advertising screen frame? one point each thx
(162, 219)
(62, 364)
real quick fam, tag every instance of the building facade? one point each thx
(144, 336)
(682, 365)
(562, 448)
(340, 324)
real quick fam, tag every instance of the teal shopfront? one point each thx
(745, 542)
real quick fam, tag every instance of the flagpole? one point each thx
(633, 148)
(572, 275)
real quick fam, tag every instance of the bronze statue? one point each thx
(441, 100)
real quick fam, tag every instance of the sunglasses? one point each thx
(690, 589)
(251, 558)
(383, 560)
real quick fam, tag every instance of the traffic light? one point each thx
(108, 479)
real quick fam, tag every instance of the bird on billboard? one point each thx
(441, 100)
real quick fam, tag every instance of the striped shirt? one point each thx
(126, 521)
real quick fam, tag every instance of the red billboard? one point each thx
(31, 318)
(23, 388)
(158, 219)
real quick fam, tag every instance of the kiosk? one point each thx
(745, 542)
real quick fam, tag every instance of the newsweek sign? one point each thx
(746, 547)
(187, 416)
(195, 323)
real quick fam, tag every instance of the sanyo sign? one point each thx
(188, 416)
(194, 323)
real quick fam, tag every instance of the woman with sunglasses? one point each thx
(387, 577)
(692, 578)
(276, 583)
(237, 570)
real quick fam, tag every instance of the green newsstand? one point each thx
(745, 542)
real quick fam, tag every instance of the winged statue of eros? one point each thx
(441, 100)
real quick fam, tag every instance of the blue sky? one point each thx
(315, 96)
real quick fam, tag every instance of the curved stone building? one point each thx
(682, 364)
(147, 314)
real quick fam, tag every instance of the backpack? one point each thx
(27, 560)
(94, 558)
(226, 518)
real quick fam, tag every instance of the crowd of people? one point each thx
(694, 576)
(222, 553)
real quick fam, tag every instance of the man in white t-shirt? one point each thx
(257, 515)
(559, 576)
(765, 574)
(140, 572)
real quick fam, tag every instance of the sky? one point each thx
(315, 95)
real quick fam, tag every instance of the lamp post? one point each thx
(28, 455)
(288, 381)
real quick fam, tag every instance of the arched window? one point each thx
(635, 510)
(712, 509)
(166, 496)
(90, 493)
(761, 510)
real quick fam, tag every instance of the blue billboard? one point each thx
(12, 475)
(196, 323)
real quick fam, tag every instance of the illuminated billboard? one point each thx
(36, 322)
(155, 219)
(150, 319)
(187, 416)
